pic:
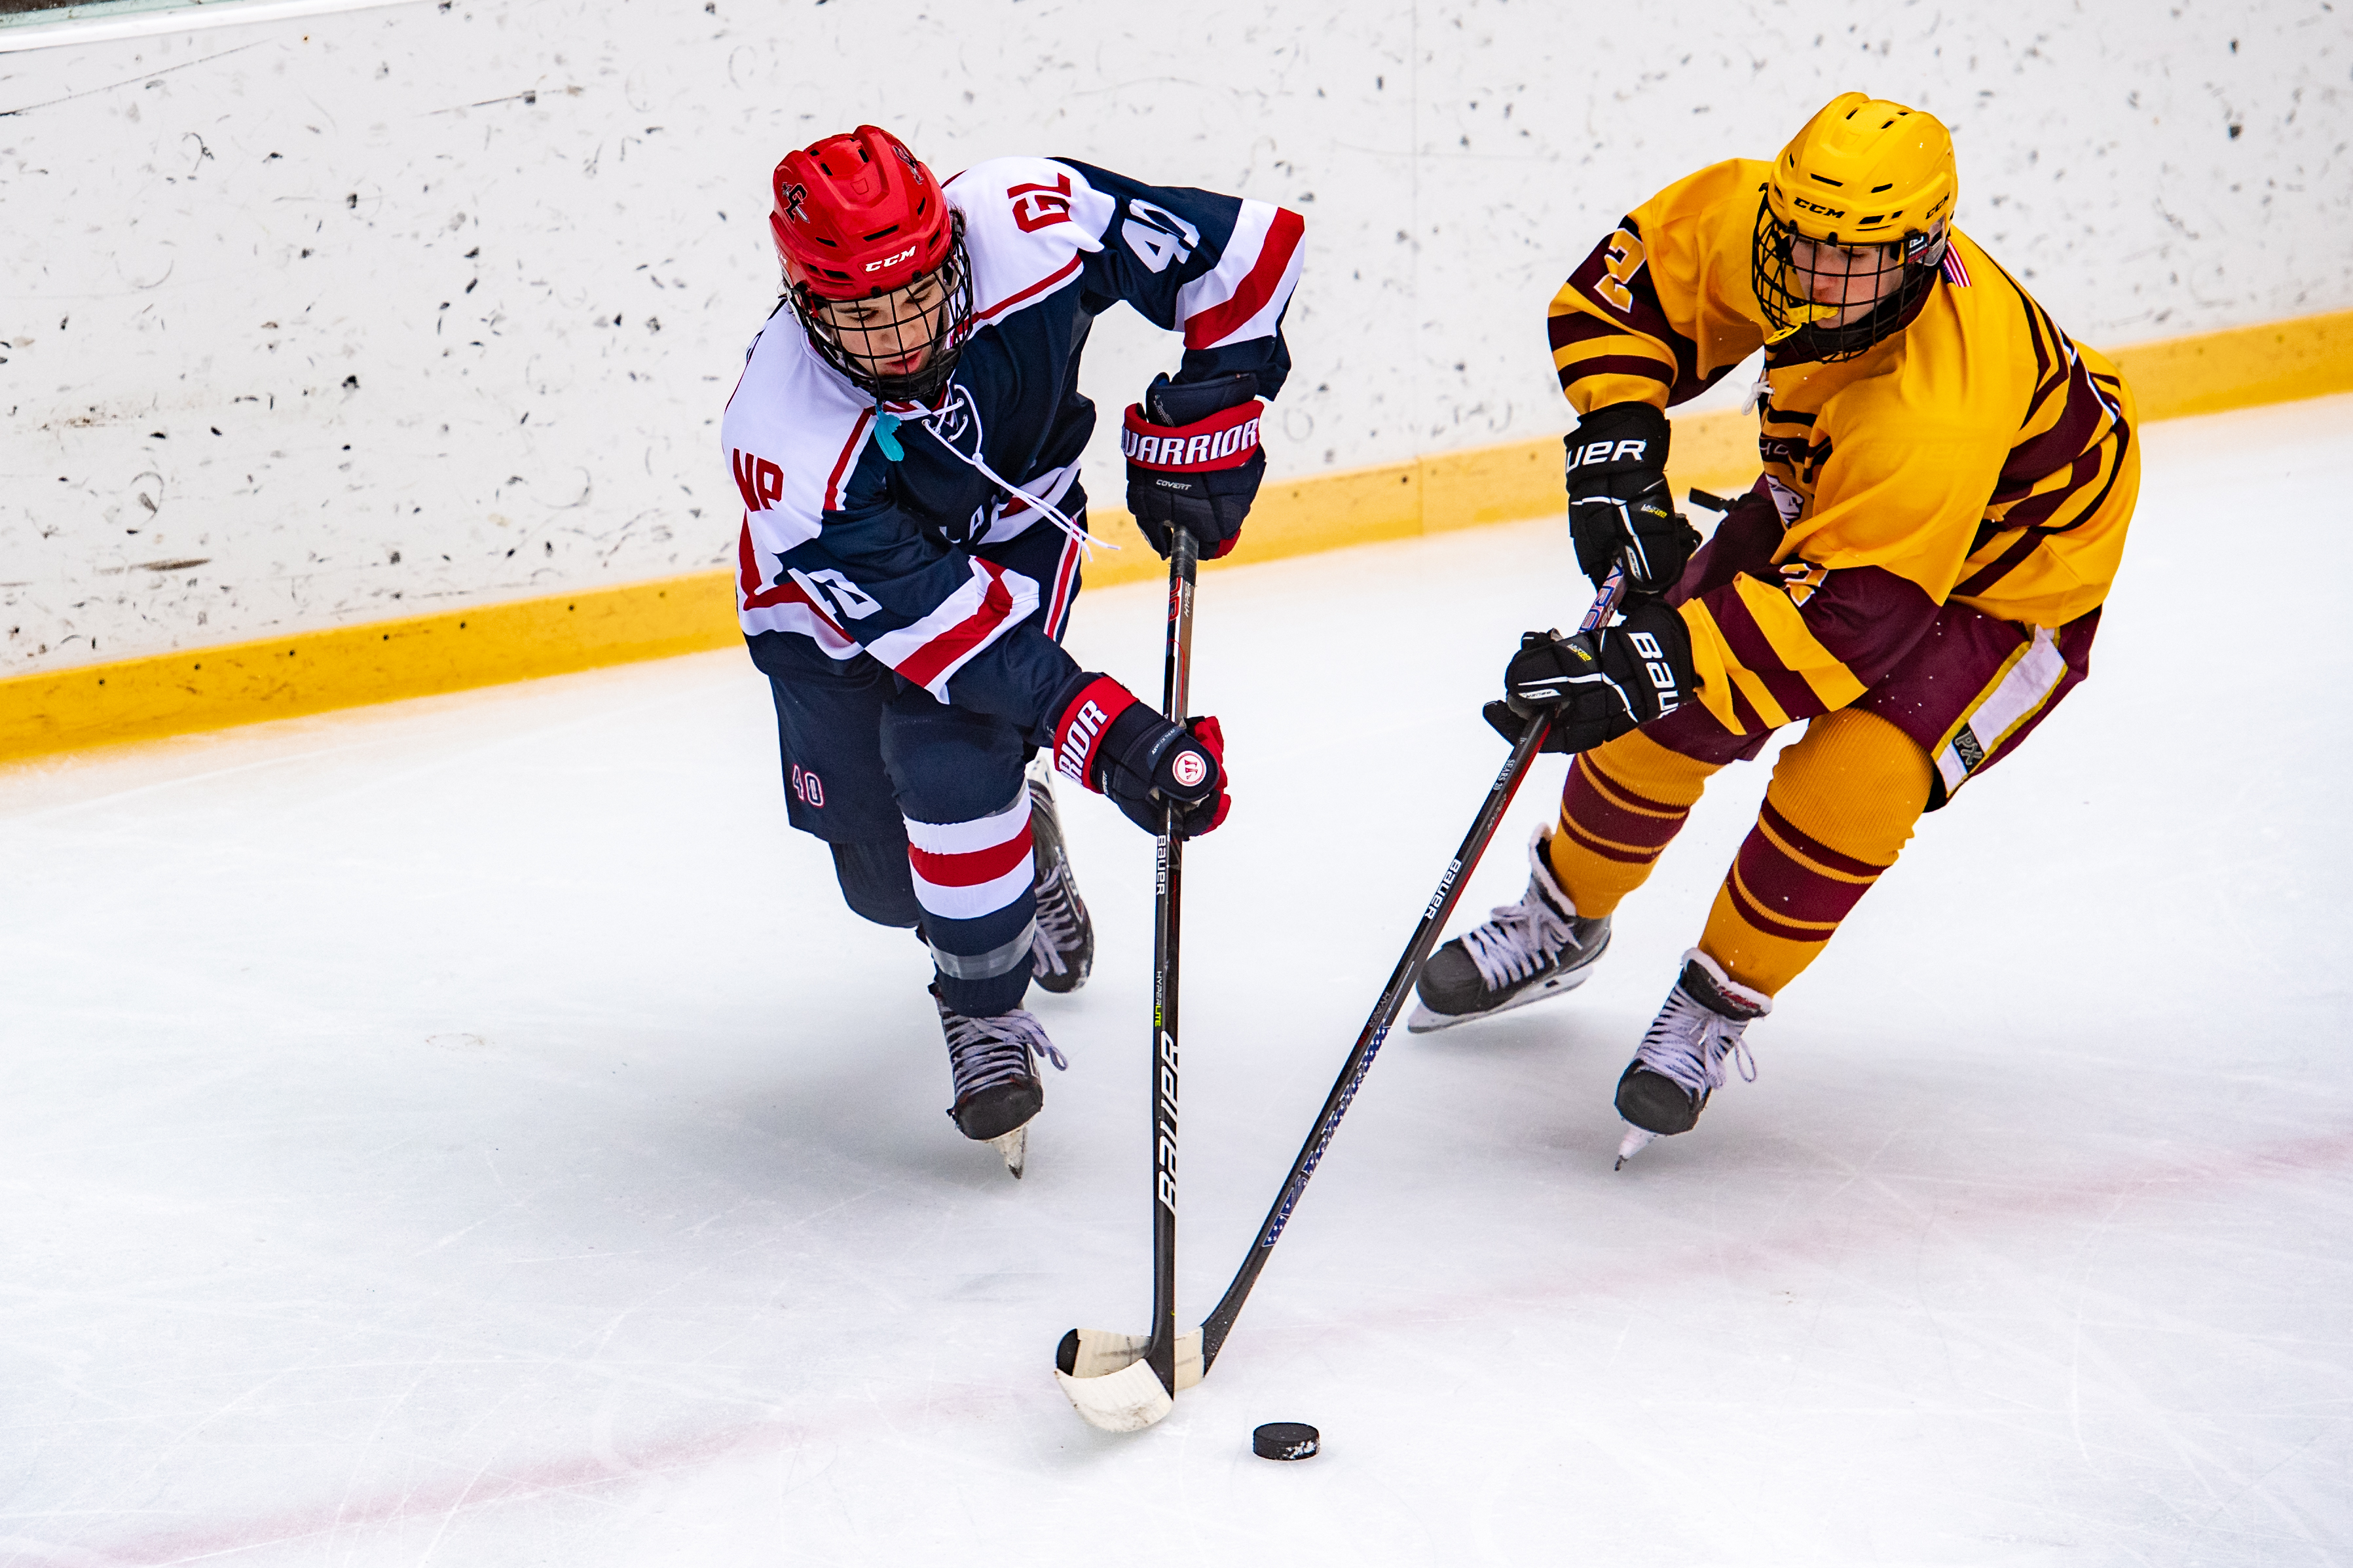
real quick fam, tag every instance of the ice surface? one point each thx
(472, 1132)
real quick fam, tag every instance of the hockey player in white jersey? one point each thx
(906, 439)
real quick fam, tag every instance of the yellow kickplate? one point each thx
(311, 672)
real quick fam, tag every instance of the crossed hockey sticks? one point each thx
(1124, 1382)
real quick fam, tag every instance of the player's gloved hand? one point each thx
(1619, 505)
(1193, 459)
(1596, 686)
(1108, 740)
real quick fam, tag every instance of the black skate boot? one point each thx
(993, 1061)
(1062, 948)
(1681, 1058)
(1526, 951)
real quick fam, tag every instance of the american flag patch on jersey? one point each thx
(1955, 273)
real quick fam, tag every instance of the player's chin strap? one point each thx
(886, 436)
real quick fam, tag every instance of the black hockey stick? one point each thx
(1434, 915)
(1103, 1373)
(1128, 1382)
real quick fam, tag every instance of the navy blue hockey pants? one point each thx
(924, 806)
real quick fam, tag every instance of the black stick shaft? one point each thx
(1434, 915)
(1175, 679)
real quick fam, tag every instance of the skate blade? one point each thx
(1637, 1138)
(1015, 1147)
(1422, 1021)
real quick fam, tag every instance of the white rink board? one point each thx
(463, 288)
(472, 1132)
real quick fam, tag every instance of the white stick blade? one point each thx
(1115, 1388)
(1127, 1400)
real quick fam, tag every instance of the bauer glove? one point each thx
(1596, 686)
(1108, 740)
(1193, 459)
(1619, 505)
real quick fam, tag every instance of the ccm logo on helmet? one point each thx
(889, 260)
(1662, 674)
(1817, 207)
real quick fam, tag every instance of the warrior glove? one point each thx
(1193, 459)
(1114, 744)
(1619, 505)
(1596, 686)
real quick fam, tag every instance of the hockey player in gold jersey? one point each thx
(1915, 577)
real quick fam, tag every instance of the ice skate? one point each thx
(1681, 1058)
(997, 1090)
(1062, 948)
(1526, 951)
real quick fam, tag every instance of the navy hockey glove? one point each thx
(1619, 505)
(1597, 685)
(1108, 740)
(1193, 459)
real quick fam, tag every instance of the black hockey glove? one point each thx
(1193, 459)
(1597, 685)
(1108, 740)
(1619, 506)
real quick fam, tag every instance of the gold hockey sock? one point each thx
(1622, 805)
(1842, 805)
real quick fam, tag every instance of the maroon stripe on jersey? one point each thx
(2035, 323)
(1868, 618)
(1603, 848)
(1787, 890)
(1761, 918)
(2123, 434)
(1748, 645)
(1813, 848)
(1643, 315)
(2035, 510)
(1618, 364)
(1577, 327)
(2077, 426)
(1595, 815)
(1745, 714)
(2001, 566)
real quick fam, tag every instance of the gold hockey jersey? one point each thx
(1977, 456)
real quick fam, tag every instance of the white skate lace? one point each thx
(959, 395)
(984, 1053)
(1688, 1043)
(1517, 941)
(1058, 928)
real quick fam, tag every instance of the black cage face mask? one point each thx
(943, 323)
(1786, 291)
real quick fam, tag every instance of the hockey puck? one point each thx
(1286, 1440)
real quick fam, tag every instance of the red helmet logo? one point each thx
(858, 215)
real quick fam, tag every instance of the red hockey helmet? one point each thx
(857, 218)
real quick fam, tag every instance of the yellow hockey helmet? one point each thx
(1869, 179)
(1865, 171)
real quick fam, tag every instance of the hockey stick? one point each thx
(1092, 1359)
(1126, 1382)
